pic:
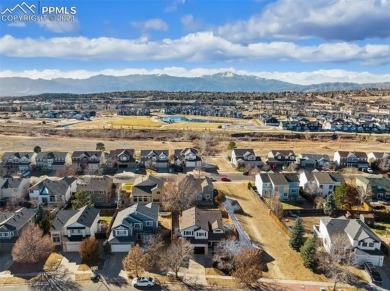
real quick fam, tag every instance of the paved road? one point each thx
(243, 236)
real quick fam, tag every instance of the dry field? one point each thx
(283, 261)
(307, 146)
(222, 163)
(308, 223)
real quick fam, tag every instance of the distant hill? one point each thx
(221, 82)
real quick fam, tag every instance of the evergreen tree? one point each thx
(82, 198)
(231, 145)
(37, 149)
(308, 253)
(345, 196)
(42, 219)
(297, 233)
(330, 206)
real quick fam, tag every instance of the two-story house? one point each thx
(11, 226)
(356, 235)
(18, 161)
(156, 159)
(380, 159)
(70, 227)
(52, 160)
(100, 188)
(133, 224)
(121, 158)
(376, 187)
(320, 183)
(88, 160)
(263, 185)
(188, 158)
(53, 190)
(280, 158)
(345, 159)
(313, 161)
(202, 228)
(14, 188)
(147, 189)
(293, 185)
(199, 187)
(245, 158)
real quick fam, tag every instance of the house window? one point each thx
(285, 194)
(371, 245)
(5, 234)
(364, 244)
(188, 233)
(52, 199)
(158, 192)
(137, 225)
(135, 199)
(75, 231)
(156, 200)
(201, 234)
(145, 199)
(56, 238)
(120, 232)
(149, 223)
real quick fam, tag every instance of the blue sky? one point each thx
(298, 41)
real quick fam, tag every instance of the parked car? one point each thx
(369, 170)
(225, 179)
(213, 179)
(374, 274)
(143, 282)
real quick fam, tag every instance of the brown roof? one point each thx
(204, 219)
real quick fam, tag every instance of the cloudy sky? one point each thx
(299, 41)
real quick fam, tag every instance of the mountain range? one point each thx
(221, 82)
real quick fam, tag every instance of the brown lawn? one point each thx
(221, 162)
(282, 261)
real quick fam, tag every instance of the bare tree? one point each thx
(154, 248)
(32, 245)
(136, 260)
(227, 250)
(276, 205)
(60, 280)
(383, 164)
(70, 170)
(292, 167)
(248, 266)
(363, 193)
(179, 196)
(333, 263)
(89, 249)
(177, 253)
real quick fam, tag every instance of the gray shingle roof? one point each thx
(278, 179)
(10, 183)
(265, 178)
(53, 155)
(10, 221)
(8, 155)
(323, 178)
(147, 184)
(85, 216)
(242, 152)
(150, 210)
(55, 187)
(291, 177)
(204, 219)
(114, 154)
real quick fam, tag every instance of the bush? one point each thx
(89, 249)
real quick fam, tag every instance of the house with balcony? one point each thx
(11, 226)
(345, 159)
(245, 158)
(155, 159)
(18, 161)
(121, 158)
(147, 189)
(202, 228)
(71, 227)
(188, 158)
(100, 188)
(88, 160)
(53, 190)
(52, 160)
(357, 237)
(132, 225)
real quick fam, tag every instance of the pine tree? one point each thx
(82, 198)
(308, 253)
(42, 219)
(330, 206)
(297, 232)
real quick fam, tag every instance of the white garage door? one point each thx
(375, 260)
(120, 248)
(72, 247)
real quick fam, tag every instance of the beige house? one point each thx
(147, 189)
(99, 187)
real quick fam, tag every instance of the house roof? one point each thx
(283, 152)
(315, 157)
(10, 221)
(309, 175)
(243, 152)
(11, 183)
(265, 178)
(116, 153)
(85, 216)
(54, 187)
(190, 184)
(336, 177)
(149, 210)
(323, 178)
(345, 154)
(8, 155)
(353, 228)
(381, 155)
(53, 155)
(145, 153)
(76, 154)
(91, 182)
(291, 177)
(61, 219)
(205, 219)
(147, 183)
(278, 179)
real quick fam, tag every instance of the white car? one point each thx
(143, 282)
(369, 170)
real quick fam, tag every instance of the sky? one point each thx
(298, 41)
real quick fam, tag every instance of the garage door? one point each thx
(375, 260)
(72, 247)
(120, 248)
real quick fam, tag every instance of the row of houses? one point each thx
(218, 111)
(92, 160)
(284, 158)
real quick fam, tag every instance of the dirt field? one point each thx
(283, 262)
(222, 163)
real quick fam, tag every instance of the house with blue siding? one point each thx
(132, 225)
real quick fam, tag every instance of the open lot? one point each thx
(221, 162)
(281, 260)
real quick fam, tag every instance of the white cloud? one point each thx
(172, 7)
(337, 20)
(60, 26)
(17, 24)
(203, 46)
(191, 24)
(151, 24)
(303, 78)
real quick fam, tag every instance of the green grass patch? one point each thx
(106, 219)
(291, 206)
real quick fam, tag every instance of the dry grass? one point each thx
(135, 121)
(12, 280)
(213, 271)
(107, 219)
(165, 221)
(307, 222)
(227, 283)
(192, 125)
(221, 162)
(282, 261)
(84, 267)
(52, 262)
(83, 277)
